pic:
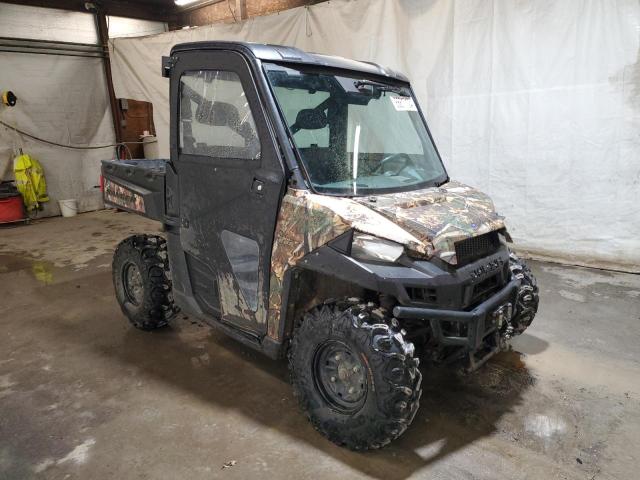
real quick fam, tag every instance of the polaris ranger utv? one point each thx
(307, 213)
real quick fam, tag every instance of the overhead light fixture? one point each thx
(182, 3)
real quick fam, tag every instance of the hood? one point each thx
(428, 221)
(438, 217)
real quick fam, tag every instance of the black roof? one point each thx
(283, 54)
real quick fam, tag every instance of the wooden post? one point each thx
(241, 10)
(103, 39)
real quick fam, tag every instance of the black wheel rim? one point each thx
(132, 282)
(340, 376)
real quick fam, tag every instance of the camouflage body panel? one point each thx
(428, 222)
(307, 221)
(233, 303)
(120, 196)
(440, 216)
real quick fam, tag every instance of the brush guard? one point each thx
(481, 332)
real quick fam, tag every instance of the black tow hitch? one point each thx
(478, 331)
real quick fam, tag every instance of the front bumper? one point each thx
(458, 304)
(479, 322)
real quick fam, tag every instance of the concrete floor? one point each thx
(84, 395)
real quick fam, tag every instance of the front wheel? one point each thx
(527, 300)
(354, 375)
(140, 278)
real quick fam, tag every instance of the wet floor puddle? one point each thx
(41, 270)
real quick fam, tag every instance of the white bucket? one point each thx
(150, 146)
(68, 208)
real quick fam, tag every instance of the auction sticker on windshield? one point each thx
(404, 104)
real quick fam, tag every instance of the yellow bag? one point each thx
(30, 181)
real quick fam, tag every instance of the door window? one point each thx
(215, 117)
(244, 256)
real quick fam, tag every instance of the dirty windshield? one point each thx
(356, 136)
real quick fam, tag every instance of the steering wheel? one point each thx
(390, 159)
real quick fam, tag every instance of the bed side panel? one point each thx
(135, 186)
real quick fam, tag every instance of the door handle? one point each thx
(257, 186)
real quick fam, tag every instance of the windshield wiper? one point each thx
(383, 87)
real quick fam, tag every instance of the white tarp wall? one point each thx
(61, 99)
(535, 103)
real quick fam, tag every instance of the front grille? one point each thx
(474, 248)
(424, 295)
(485, 289)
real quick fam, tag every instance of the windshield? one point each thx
(355, 136)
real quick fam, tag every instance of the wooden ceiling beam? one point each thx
(118, 8)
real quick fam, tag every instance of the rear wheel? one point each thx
(354, 374)
(141, 281)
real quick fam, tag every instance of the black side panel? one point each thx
(204, 285)
(181, 283)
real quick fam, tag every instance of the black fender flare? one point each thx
(329, 262)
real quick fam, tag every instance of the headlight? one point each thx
(368, 247)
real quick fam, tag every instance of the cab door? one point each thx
(230, 181)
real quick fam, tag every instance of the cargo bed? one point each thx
(135, 186)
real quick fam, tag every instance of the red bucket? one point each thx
(11, 209)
